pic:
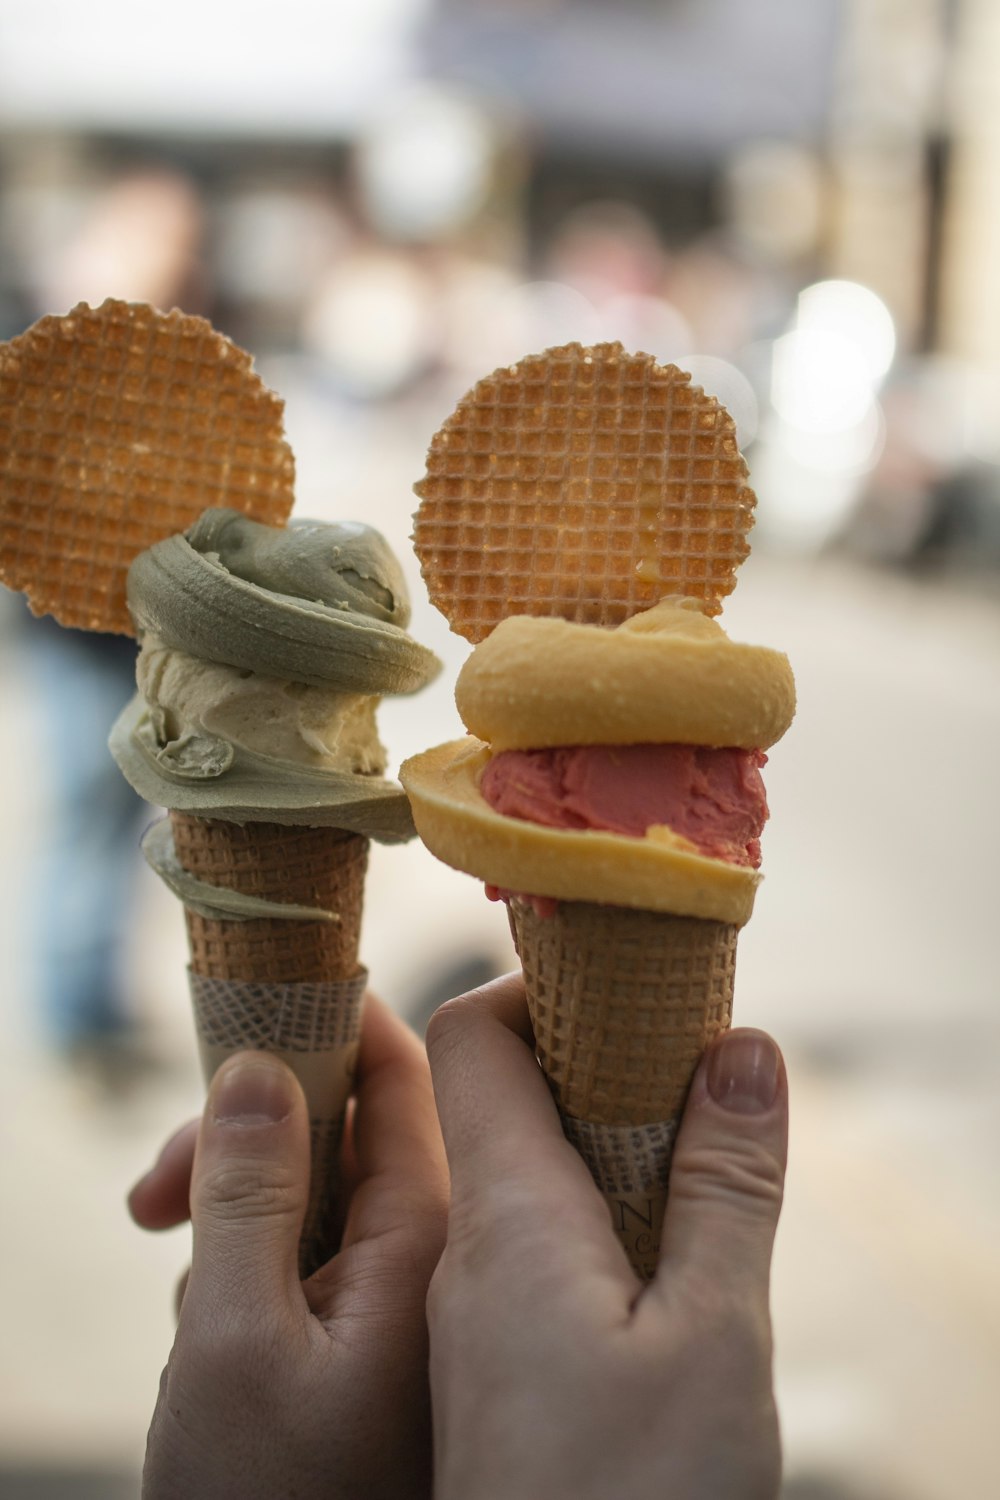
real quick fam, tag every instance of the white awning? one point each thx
(266, 67)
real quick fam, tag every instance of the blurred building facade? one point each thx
(471, 180)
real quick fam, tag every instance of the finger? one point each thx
(479, 1049)
(728, 1171)
(515, 1180)
(394, 1157)
(250, 1184)
(503, 999)
(398, 1155)
(161, 1199)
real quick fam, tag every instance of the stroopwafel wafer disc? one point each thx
(118, 426)
(586, 483)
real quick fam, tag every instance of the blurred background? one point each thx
(383, 200)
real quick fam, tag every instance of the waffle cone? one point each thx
(322, 867)
(623, 1004)
(289, 986)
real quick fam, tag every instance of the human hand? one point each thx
(276, 1387)
(553, 1372)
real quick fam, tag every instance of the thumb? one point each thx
(728, 1171)
(250, 1182)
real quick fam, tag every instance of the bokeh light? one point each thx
(424, 163)
(820, 381)
(533, 316)
(853, 313)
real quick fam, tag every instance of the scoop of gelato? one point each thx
(289, 721)
(713, 797)
(669, 675)
(317, 603)
(265, 651)
(342, 564)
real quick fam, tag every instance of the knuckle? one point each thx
(248, 1189)
(448, 1033)
(743, 1175)
(447, 1026)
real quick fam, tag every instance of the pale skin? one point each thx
(553, 1373)
(276, 1387)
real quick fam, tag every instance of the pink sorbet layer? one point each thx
(714, 797)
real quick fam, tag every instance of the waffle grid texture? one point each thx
(118, 427)
(624, 1158)
(623, 1004)
(279, 985)
(585, 483)
(322, 867)
(311, 1017)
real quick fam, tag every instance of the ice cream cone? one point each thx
(289, 986)
(623, 1004)
(145, 488)
(583, 516)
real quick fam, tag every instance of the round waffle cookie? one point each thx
(118, 427)
(586, 483)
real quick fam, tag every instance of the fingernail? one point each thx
(251, 1092)
(743, 1071)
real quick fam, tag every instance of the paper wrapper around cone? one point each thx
(290, 987)
(623, 1004)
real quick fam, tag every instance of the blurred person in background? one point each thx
(931, 503)
(80, 903)
(139, 241)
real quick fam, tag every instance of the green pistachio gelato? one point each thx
(345, 565)
(339, 624)
(264, 653)
(216, 902)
